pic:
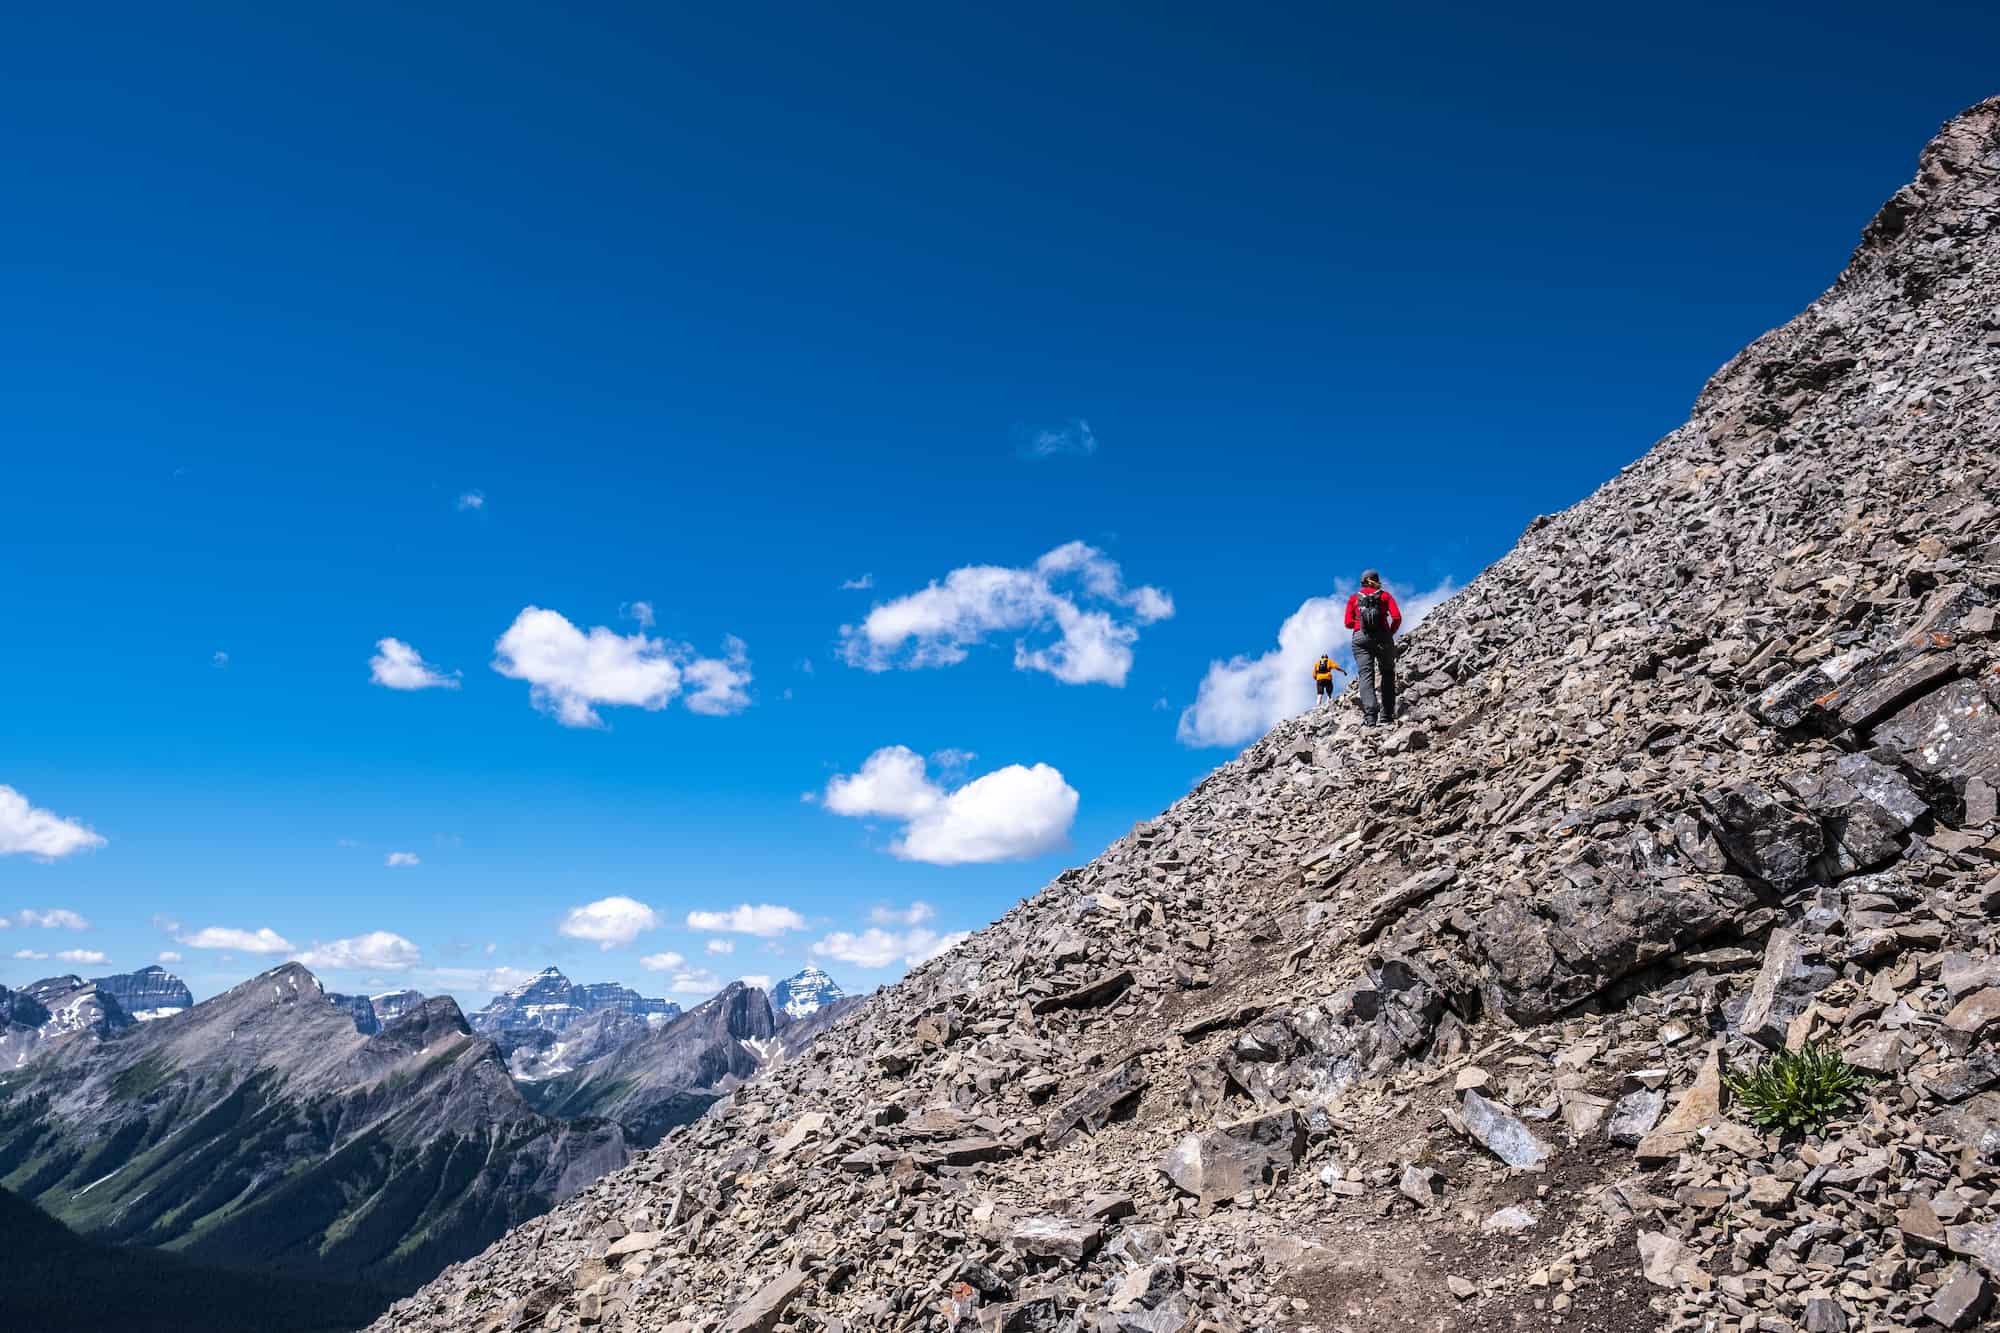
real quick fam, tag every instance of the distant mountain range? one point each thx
(361, 1139)
(58, 1006)
(671, 1075)
(550, 1002)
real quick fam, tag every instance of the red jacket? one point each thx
(1388, 604)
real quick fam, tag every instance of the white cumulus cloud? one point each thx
(87, 956)
(472, 500)
(1007, 815)
(378, 950)
(721, 946)
(56, 918)
(571, 672)
(663, 962)
(261, 940)
(402, 859)
(642, 612)
(472, 980)
(861, 584)
(1242, 698)
(699, 981)
(29, 830)
(398, 666)
(875, 947)
(914, 915)
(717, 686)
(29, 955)
(1073, 601)
(609, 922)
(764, 919)
(169, 956)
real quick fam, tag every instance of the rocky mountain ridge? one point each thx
(372, 1013)
(260, 1128)
(359, 1139)
(1428, 1027)
(550, 1002)
(56, 1007)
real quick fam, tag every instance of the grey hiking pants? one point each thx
(1372, 656)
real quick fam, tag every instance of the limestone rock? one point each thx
(1502, 1133)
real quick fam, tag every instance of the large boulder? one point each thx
(1766, 837)
(1546, 953)
(1311, 1054)
(1224, 1162)
(1785, 985)
(1866, 807)
(1951, 736)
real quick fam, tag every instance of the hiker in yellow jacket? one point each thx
(1323, 675)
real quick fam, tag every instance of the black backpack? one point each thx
(1370, 614)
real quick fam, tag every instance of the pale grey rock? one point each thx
(1502, 1133)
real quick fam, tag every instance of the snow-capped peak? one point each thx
(805, 992)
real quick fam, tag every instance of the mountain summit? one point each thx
(805, 993)
(1441, 1026)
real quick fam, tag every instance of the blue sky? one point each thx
(476, 327)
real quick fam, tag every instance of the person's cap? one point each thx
(1370, 576)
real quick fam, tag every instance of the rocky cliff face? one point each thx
(673, 1073)
(1427, 1027)
(536, 1054)
(261, 1129)
(151, 992)
(372, 1013)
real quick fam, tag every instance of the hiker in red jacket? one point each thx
(1374, 617)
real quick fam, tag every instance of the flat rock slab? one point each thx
(762, 1312)
(1785, 985)
(1385, 909)
(1090, 995)
(962, 1152)
(1701, 1103)
(1970, 1017)
(1091, 1109)
(1974, 1124)
(635, 1243)
(1502, 1133)
(1964, 1297)
(1049, 1237)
